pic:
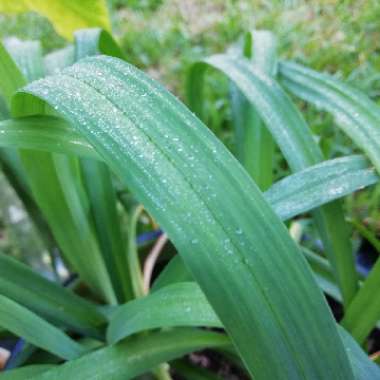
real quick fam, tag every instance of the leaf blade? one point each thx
(296, 142)
(36, 330)
(136, 356)
(23, 285)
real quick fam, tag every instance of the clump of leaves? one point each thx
(94, 121)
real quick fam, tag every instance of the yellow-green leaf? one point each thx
(66, 15)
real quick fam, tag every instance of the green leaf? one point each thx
(25, 372)
(181, 304)
(297, 144)
(323, 274)
(11, 77)
(174, 271)
(211, 210)
(254, 143)
(66, 15)
(23, 285)
(59, 59)
(28, 57)
(102, 198)
(37, 331)
(45, 133)
(354, 112)
(98, 182)
(95, 41)
(55, 184)
(320, 184)
(136, 355)
(364, 311)
(133, 254)
(363, 367)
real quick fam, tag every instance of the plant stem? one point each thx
(162, 372)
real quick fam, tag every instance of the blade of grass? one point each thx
(36, 330)
(142, 132)
(296, 142)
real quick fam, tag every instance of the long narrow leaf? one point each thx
(296, 142)
(57, 191)
(34, 329)
(254, 143)
(11, 80)
(45, 133)
(354, 112)
(364, 368)
(98, 182)
(181, 304)
(135, 356)
(25, 372)
(20, 283)
(320, 184)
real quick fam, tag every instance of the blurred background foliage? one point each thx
(164, 37)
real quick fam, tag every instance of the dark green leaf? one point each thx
(135, 356)
(34, 329)
(19, 282)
